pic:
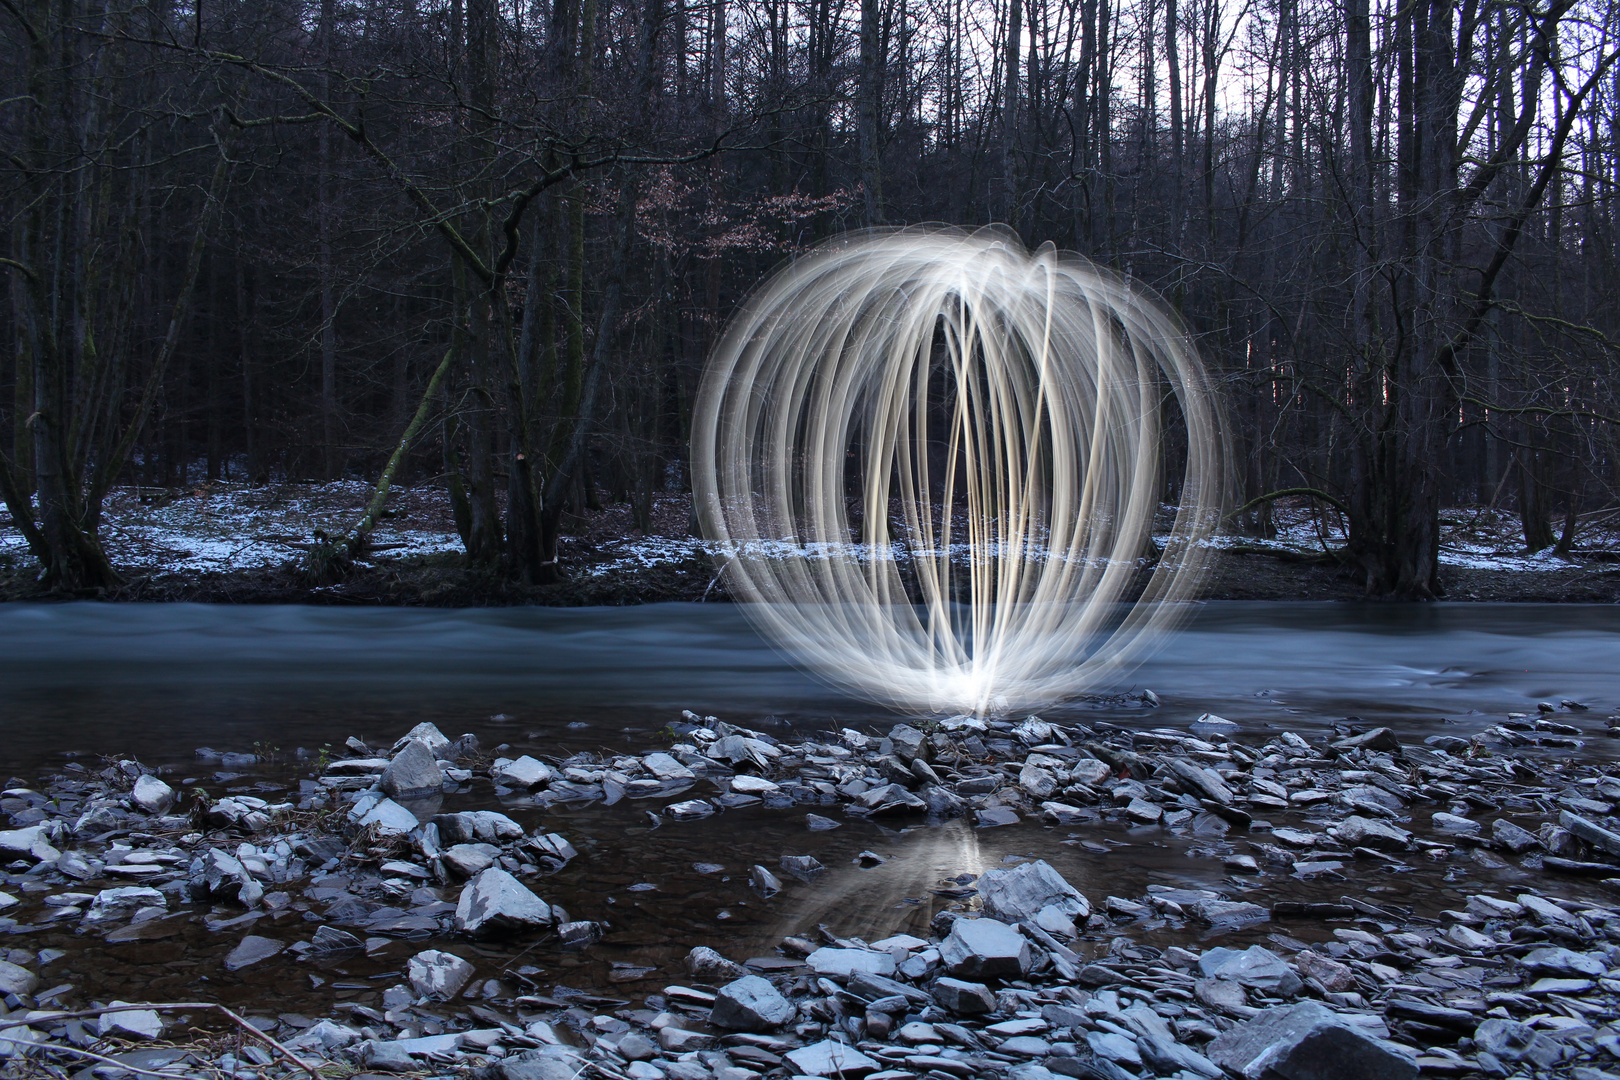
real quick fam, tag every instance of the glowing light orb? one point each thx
(932, 463)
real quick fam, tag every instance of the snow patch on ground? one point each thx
(219, 527)
(222, 527)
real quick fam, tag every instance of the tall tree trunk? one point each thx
(1008, 195)
(330, 464)
(868, 96)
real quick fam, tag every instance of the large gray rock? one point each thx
(226, 878)
(1334, 976)
(413, 772)
(666, 767)
(1357, 831)
(389, 818)
(525, 772)
(1512, 837)
(1158, 1047)
(1202, 781)
(1041, 783)
(830, 1058)
(29, 843)
(1593, 833)
(480, 826)
(436, 975)
(131, 1023)
(1020, 893)
(842, 963)
(545, 1063)
(881, 986)
(1510, 1041)
(943, 803)
(324, 1037)
(1378, 739)
(750, 1004)
(890, 799)
(1256, 967)
(495, 903)
(984, 949)
(151, 794)
(1307, 1041)
(428, 735)
(1229, 914)
(740, 750)
(707, 964)
(962, 997)
(908, 743)
(469, 860)
(111, 905)
(1557, 961)
(16, 980)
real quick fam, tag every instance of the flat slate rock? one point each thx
(251, 950)
(1307, 1040)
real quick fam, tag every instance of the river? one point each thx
(158, 680)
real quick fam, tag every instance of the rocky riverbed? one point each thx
(1382, 908)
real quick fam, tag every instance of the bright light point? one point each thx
(931, 462)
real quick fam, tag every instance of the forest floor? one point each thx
(232, 543)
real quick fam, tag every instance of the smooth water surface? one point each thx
(158, 680)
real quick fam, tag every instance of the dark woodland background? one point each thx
(487, 243)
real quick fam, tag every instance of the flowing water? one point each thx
(157, 681)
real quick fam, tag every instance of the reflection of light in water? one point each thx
(931, 461)
(870, 903)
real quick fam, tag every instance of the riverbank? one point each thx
(222, 543)
(964, 898)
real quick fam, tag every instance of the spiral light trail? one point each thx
(932, 464)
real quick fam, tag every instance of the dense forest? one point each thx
(488, 243)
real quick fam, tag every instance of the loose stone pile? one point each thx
(1023, 976)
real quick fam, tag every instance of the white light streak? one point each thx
(993, 415)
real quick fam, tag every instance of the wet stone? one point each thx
(1229, 914)
(1019, 893)
(1559, 961)
(842, 963)
(413, 772)
(1357, 831)
(438, 976)
(1333, 976)
(151, 794)
(251, 950)
(804, 867)
(1256, 967)
(707, 964)
(469, 860)
(1452, 823)
(985, 949)
(525, 772)
(963, 997)
(750, 1004)
(131, 1023)
(992, 816)
(495, 902)
(763, 881)
(1307, 1039)
(389, 818)
(15, 979)
(1511, 1041)
(329, 939)
(830, 1058)
(1512, 837)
